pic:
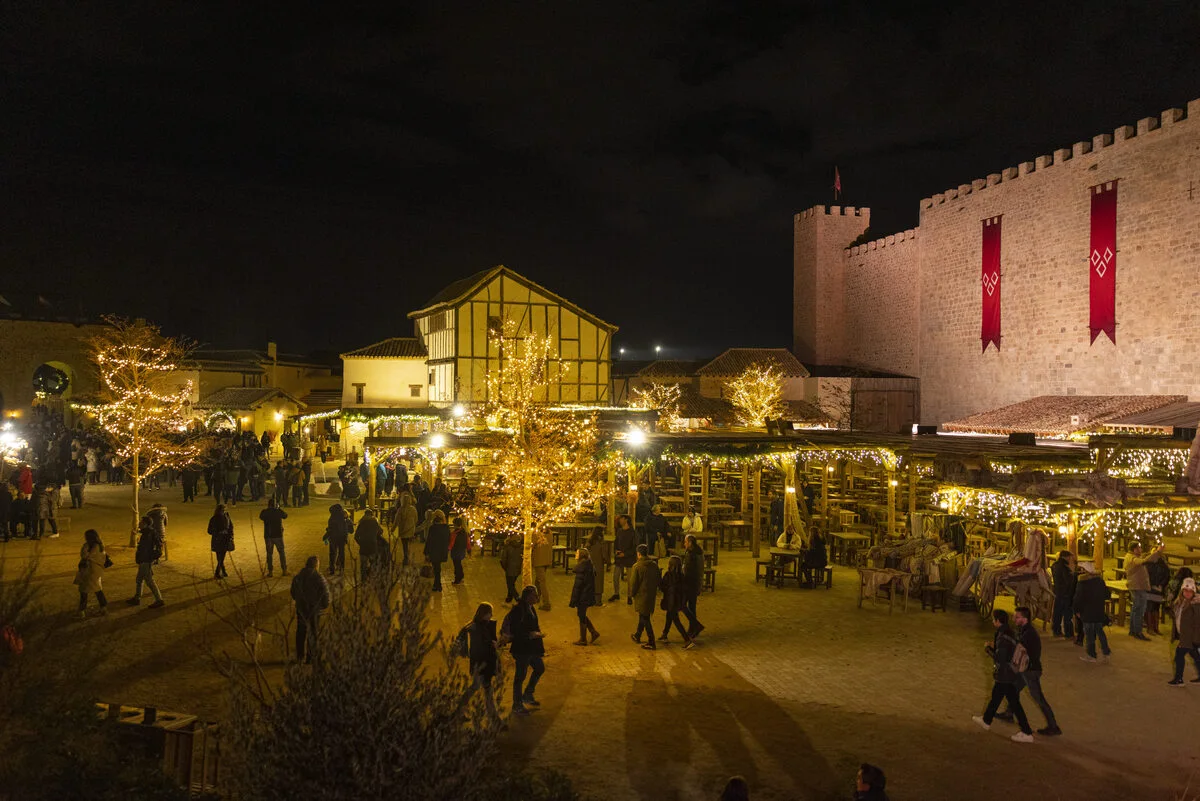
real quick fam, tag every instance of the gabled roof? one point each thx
(248, 359)
(243, 398)
(721, 412)
(460, 290)
(1051, 415)
(735, 360)
(1165, 419)
(670, 368)
(322, 399)
(394, 348)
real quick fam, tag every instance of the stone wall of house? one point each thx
(26, 344)
(1045, 204)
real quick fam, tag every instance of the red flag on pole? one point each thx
(990, 328)
(837, 183)
(1102, 261)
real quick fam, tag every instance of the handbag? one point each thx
(107, 562)
(426, 571)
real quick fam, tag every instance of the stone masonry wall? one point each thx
(882, 307)
(820, 235)
(25, 345)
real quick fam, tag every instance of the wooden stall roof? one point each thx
(1163, 420)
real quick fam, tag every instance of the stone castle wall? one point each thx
(1045, 349)
(27, 344)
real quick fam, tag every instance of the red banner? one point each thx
(991, 283)
(1102, 259)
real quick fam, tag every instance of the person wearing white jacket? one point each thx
(691, 523)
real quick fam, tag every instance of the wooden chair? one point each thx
(710, 579)
(558, 555)
(933, 595)
(762, 567)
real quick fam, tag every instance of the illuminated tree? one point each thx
(544, 458)
(663, 398)
(757, 395)
(143, 409)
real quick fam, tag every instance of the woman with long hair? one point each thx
(583, 594)
(672, 601)
(598, 550)
(92, 560)
(481, 650)
(220, 529)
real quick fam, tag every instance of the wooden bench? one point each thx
(933, 596)
(710, 579)
(762, 567)
(829, 577)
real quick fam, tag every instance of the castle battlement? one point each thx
(891, 239)
(833, 211)
(1123, 133)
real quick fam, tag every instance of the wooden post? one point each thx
(891, 489)
(757, 519)
(632, 496)
(1073, 535)
(611, 523)
(825, 470)
(687, 486)
(705, 474)
(370, 475)
(1098, 546)
(745, 489)
(912, 489)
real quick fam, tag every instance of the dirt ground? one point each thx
(790, 688)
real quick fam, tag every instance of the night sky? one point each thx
(257, 171)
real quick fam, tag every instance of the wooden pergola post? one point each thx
(1073, 534)
(826, 469)
(633, 495)
(1098, 546)
(912, 489)
(686, 486)
(611, 524)
(745, 489)
(705, 475)
(891, 489)
(757, 519)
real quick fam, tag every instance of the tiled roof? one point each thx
(243, 398)
(1050, 415)
(460, 288)
(670, 368)
(735, 360)
(805, 412)
(694, 405)
(394, 348)
(323, 399)
(1165, 418)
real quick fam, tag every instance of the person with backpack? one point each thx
(1159, 574)
(1091, 593)
(158, 519)
(521, 628)
(47, 505)
(437, 546)
(149, 551)
(624, 557)
(1031, 677)
(405, 521)
(337, 534)
(478, 642)
(1002, 649)
(93, 561)
(583, 595)
(367, 535)
(673, 594)
(311, 594)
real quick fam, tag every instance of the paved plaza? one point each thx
(790, 688)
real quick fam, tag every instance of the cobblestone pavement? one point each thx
(791, 688)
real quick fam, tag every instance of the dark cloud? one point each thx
(242, 171)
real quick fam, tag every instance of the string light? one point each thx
(757, 395)
(662, 398)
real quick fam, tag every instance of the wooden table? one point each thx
(842, 540)
(729, 527)
(709, 543)
(571, 532)
(1120, 588)
(780, 556)
(878, 578)
(1180, 559)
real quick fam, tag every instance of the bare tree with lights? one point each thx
(757, 395)
(544, 458)
(143, 409)
(662, 398)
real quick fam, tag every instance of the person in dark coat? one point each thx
(460, 541)
(815, 559)
(643, 588)
(311, 594)
(337, 534)
(511, 556)
(1006, 680)
(583, 595)
(367, 536)
(1031, 678)
(673, 595)
(220, 529)
(272, 519)
(522, 629)
(482, 653)
(1063, 573)
(190, 478)
(656, 528)
(5, 512)
(149, 551)
(1090, 595)
(437, 545)
(693, 580)
(624, 555)
(870, 784)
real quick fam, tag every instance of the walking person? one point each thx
(75, 477)
(1063, 573)
(232, 474)
(405, 521)
(279, 476)
(149, 551)
(624, 556)
(460, 543)
(295, 479)
(870, 784)
(1138, 581)
(48, 502)
(437, 546)
(693, 580)
(673, 595)
(337, 534)
(272, 519)
(1004, 685)
(542, 556)
(511, 556)
(306, 471)
(89, 578)
(1031, 677)
(220, 532)
(598, 549)
(190, 478)
(1091, 593)
(1187, 630)
(367, 535)
(522, 629)
(158, 519)
(311, 594)
(483, 654)
(643, 589)
(583, 595)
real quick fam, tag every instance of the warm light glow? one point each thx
(662, 398)
(791, 490)
(636, 436)
(633, 488)
(658, 348)
(829, 469)
(757, 395)
(437, 441)
(893, 483)
(278, 417)
(308, 429)
(1062, 530)
(459, 410)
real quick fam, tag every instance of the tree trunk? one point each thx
(527, 548)
(137, 515)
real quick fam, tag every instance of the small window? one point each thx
(358, 392)
(431, 378)
(495, 326)
(414, 390)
